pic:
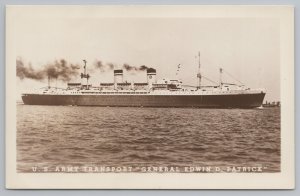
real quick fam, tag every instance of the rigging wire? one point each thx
(232, 76)
(224, 71)
(209, 79)
(189, 86)
(204, 77)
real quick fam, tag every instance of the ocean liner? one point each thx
(153, 93)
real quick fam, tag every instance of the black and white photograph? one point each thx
(150, 90)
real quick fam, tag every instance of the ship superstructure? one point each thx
(153, 93)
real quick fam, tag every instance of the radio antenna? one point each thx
(199, 73)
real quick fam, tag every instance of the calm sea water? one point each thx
(52, 136)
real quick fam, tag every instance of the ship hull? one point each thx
(201, 101)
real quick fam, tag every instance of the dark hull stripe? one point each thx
(203, 101)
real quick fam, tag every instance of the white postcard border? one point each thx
(285, 179)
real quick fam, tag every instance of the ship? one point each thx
(153, 93)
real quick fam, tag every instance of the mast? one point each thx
(84, 67)
(177, 72)
(85, 75)
(221, 83)
(199, 73)
(49, 86)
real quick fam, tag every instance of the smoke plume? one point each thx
(144, 67)
(64, 71)
(60, 70)
(99, 65)
(28, 71)
(129, 68)
(134, 68)
(110, 66)
(103, 67)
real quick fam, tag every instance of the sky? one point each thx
(247, 48)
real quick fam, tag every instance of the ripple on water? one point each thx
(151, 136)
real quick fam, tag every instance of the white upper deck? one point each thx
(225, 90)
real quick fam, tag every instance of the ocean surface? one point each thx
(56, 137)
